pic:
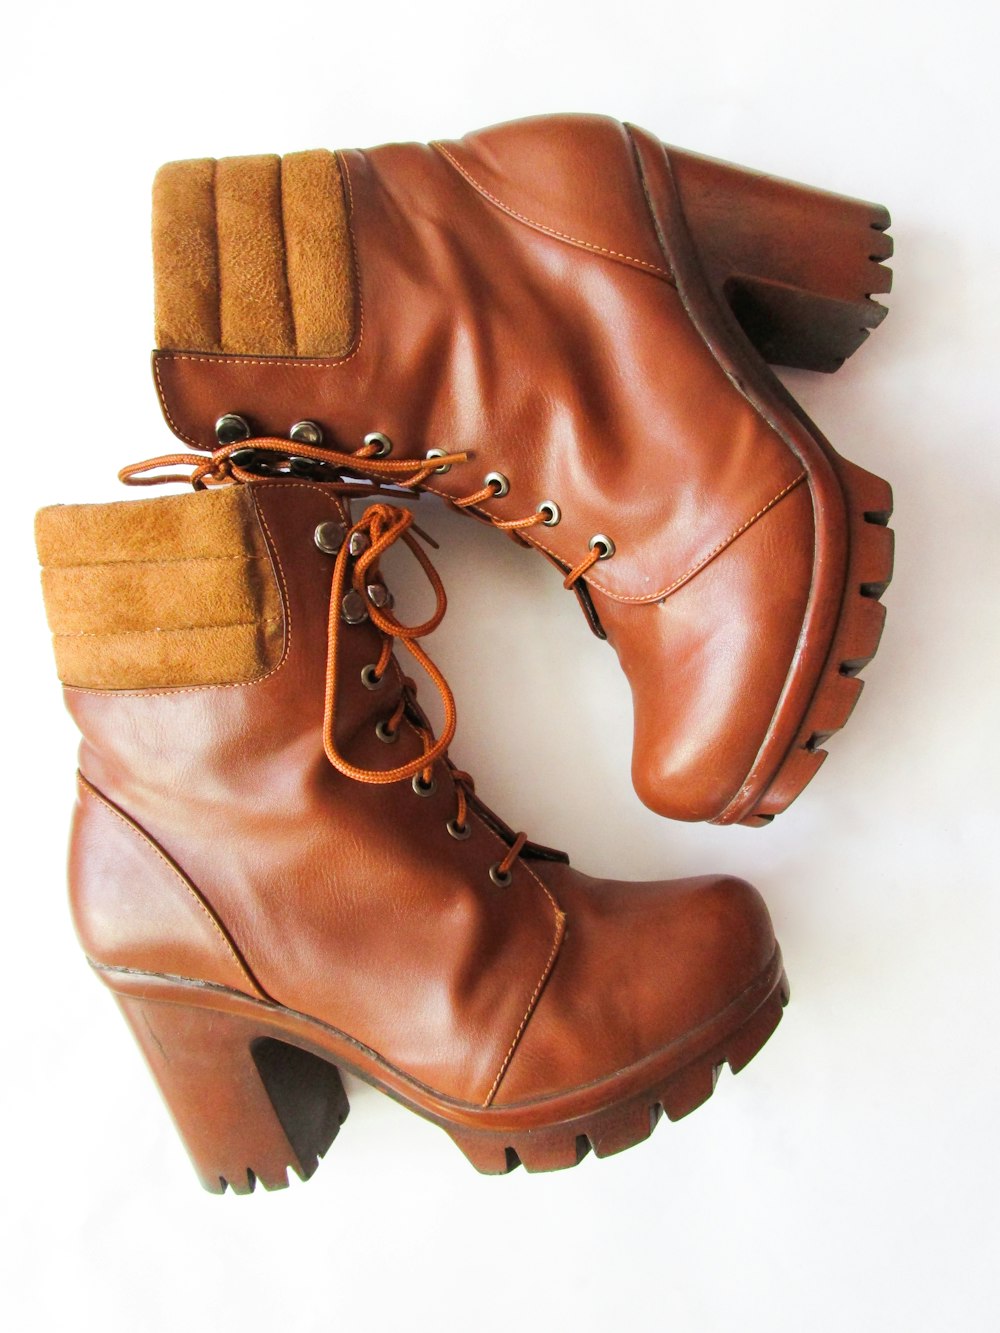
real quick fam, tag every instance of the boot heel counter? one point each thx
(133, 908)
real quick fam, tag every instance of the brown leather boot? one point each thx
(574, 321)
(279, 873)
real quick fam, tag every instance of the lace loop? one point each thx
(384, 525)
(219, 467)
(578, 571)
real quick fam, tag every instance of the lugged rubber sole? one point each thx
(623, 1126)
(855, 641)
(254, 1089)
(798, 269)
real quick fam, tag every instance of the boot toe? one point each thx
(644, 970)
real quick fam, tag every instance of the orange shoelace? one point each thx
(381, 525)
(223, 465)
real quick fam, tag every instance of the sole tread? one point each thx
(629, 1123)
(855, 641)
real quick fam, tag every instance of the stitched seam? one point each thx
(218, 253)
(237, 684)
(694, 569)
(716, 550)
(650, 210)
(218, 248)
(549, 231)
(639, 599)
(317, 364)
(284, 253)
(166, 560)
(560, 916)
(654, 1055)
(177, 629)
(89, 789)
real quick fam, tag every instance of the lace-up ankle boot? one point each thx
(573, 324)
(280, 874)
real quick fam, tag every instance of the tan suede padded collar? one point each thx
(160, 594)
(252, 256)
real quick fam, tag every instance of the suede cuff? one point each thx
(252, 256)
(160, 594)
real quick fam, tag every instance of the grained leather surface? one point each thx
(133, 908)
(516, 304)
(350, 902)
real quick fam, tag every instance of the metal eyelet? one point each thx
(501, 878)
(438, 453)
(382, 442)
(353, 608)
(606, 545)
(385, 735)
(498, 480)
(231, 427)
(553, 512)
(359, 543)
(243, 458)
(423, 788)
(304, 467)
(458, 831)
(306, 432)
(380, 596)
(329, 537)
(370, 678)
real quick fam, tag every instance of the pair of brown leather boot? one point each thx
(562, 327)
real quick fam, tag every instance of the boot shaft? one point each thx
(538, 330)
(210, 816)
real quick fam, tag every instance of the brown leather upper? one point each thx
(515, 302)
(215, 841)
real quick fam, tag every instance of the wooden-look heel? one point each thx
(797, 267)
(255, 1088)
(246, 1105)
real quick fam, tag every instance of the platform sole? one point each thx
(254, 1089)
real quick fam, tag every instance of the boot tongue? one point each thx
(534, 850)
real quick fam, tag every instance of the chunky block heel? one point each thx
(797, 267)
(246, 1105)
(254, 1088)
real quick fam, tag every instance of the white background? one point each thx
(848, 1178)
